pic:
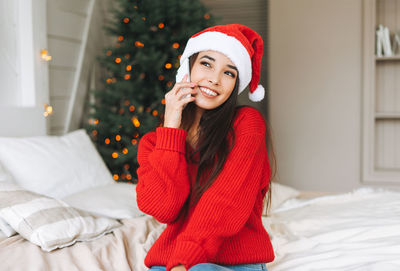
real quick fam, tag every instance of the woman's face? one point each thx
(215, 75)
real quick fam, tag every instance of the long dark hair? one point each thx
(215, 140)
(215, 128)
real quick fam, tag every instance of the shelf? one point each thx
(387, 115)
(387, 58)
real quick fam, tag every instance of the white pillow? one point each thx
(279, 194)
(4, 175)
(47, 222)
(54, 166)
(6, 229)
(117, 200)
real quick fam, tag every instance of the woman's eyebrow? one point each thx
(213, 59)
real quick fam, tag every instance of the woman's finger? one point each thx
(184, 79)
(187, 100)
(179, 86)
(185, 92)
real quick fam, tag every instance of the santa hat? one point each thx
(242, 45)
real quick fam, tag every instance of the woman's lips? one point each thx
(206, 92)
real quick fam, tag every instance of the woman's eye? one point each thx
(205, 64)
(231, 74)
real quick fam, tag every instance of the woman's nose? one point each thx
(214, 79)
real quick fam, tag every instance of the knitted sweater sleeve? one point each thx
(163, 184)
(225, 207)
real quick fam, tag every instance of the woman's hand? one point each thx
(178, 268)
(175, 100)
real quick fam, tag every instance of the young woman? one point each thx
(205, 172)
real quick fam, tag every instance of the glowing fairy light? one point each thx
(48, 110)
(45, 55)
(135, 122)
(139, 44)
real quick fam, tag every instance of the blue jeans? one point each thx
(216, 267)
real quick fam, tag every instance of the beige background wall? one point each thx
(315, 92)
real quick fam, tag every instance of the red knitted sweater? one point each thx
(225, 226)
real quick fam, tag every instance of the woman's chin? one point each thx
(205, 105)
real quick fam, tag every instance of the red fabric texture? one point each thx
(225, 226)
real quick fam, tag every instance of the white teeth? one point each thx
(209, 92)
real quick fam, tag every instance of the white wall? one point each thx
(315, 91)
(9, 60)
(23, 75)
(76, 38)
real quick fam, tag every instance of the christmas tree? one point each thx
(139, 69)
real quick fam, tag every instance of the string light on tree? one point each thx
(135, 122)
(139, 44)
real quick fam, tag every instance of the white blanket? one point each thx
(353, 231)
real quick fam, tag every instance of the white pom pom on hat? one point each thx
(242, 45)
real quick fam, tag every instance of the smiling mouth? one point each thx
(208, 92)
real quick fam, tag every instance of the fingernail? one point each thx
(193, 84)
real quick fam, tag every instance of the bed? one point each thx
(357, 230)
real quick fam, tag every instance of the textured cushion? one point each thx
(47, 222)
(54, 166)
(117, 200)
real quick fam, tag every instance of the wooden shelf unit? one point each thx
(381, 97)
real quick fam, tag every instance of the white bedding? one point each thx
(353, 231)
